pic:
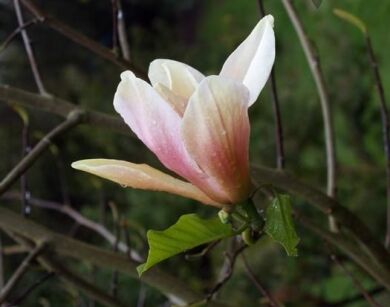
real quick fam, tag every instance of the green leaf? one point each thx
(188, 232)
(279, 224)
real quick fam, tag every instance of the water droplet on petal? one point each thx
(123, 185)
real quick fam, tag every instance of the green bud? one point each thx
(224, 216)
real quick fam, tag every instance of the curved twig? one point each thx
(73, 119)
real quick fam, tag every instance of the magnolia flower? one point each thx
(197, 126)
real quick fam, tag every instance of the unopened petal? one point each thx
(215, 131)
(141, 176)
(154, 121)
(252, 61)
(180, 78)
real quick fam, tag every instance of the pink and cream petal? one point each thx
(215, 131)
(155, 123)
(252, 61)
(180, 78)
(141, 176)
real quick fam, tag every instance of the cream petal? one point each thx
(141, 176)
(178, 103)
(215, 131)
(155, 122)
(180, 78)
(252, 61)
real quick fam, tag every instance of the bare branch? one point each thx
(80, 219)
(31, 288)
(20, 271)
(355, 281)
(328, 205)
(9, 39)
(122, 33)
(315, 68)
(385, 125)
(81, 39)
(280, 158)
(68, 247)
(53, 264)
(114, 17)
(73, 119)
(13, 249)
(351, 249)
(29, 51)
(62, 108)
(1, 262)
(227, 267)
(271, 301)
(356, 298)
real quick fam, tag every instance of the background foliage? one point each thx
(203, 33)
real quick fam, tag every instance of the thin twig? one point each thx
(355, 298)
(17, 301)
(270, 300)
(203, 252)
(55, 264)
(13, 249)
(354, 280)
(227, 269)
(26, 209)
(315, 69)
(14, 33)
(122, 33)
(114, 17)
(373, 249)
(80, 219)
(62, 108)
(385, 125)
(117, 231)
(81, 39)
(29, 50)
(68, 247)
(73, 119)
(20, 271)
(1, 262)
(141, 296)
(353, 250)
(280, 158)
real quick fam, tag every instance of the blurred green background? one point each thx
(202, 34)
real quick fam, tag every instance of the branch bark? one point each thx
(376, 254)
(323, 94)
(65, 246)
(81, 39)
(29, 50)
(62, 108)
(66, 209)
(20, 271)
(280, 158)
(73, 119)
(385, 125)
(54, 264)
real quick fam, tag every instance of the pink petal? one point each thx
(178, 77)
(252, 61)
(153, 120)
(215, 131)
(156, 124)
(141, 176)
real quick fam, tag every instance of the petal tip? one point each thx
(79, 165)
(127, 75)
(270, 20)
